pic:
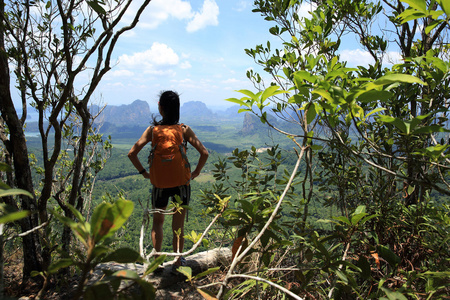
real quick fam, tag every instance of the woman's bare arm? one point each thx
(137, 147)
(190, 136)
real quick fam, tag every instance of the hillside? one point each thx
(136, 113)
(220, 131)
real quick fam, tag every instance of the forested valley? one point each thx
(119, 177)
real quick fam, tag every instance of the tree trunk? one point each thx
(19, 153)
(198, 263)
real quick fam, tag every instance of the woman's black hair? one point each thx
(169, 102)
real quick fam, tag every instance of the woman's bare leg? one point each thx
(157, 231)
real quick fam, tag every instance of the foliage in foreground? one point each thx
(373, 138)
(53, 55)
(96, 247)
(363, 255)
(380, 136)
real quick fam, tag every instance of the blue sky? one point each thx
(195, 48)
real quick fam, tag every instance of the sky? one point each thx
(193, 47)
(196, 48)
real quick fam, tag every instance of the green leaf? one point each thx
(154, 265)
(78, 229)
(59, 264)
(100, 250)
(364, 265)
(271, 91)
(360, 209)
(247, 207)
(430, 129)
(432, 26)
(120, 212)
(250, 94)
(388, 255)
(98, 216)
(76, 213)
(393, 295)
(124, 256)
(127, 274)
(244, 110)
(394, 78)
(14, 216)
(356, 218)
(367, 218)
(107, 218)
(445, 4)
(237, 101)
(301, 76)
(148, 290)
(265, 238)
(207, 272)
(186, 271)
(342, 276)
(97, 7)
(310, 113)
(98, 291)
(14, 192)
(325, 94)
(401, 125)
(343, 220)
(374, 111)
(320, 246)
(36, 273)
(410, 14)
(374, 95)
(5, 167)
(419, 5)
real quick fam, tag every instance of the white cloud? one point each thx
(305, 9)
(359, 57)
(356, 57)
(121, 73)
(393, 57)
(155, 60)
(241, 5)
(116, 84)
(231, 80)
(185, 65)
(207, 16)
(159, 11)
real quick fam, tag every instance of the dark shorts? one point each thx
(160, 197)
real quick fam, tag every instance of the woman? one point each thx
(169, 108)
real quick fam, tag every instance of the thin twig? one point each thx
(268, 282)
(28, 232)
(194, 247)
(344, 257)
(256, 239)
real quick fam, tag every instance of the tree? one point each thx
(375, 134)
(51, 44)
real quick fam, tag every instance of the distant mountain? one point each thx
(195, 110)
(231, 113)
(136, 114)
(252, 124)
